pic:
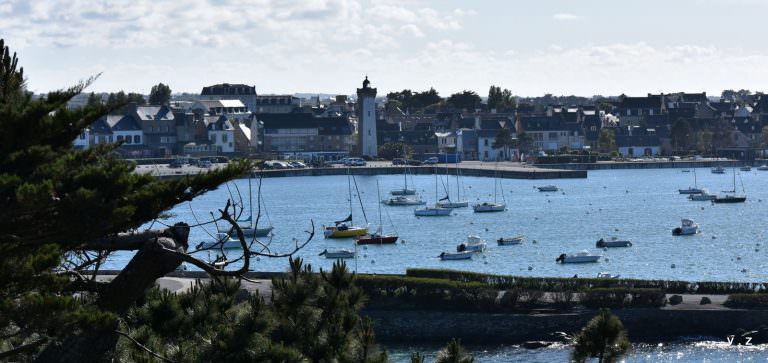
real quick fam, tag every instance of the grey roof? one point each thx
(228, 89)
(151, 113)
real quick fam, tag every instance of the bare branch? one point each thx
(144, 348)
(21, 348)
(122, 241)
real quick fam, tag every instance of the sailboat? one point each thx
(245, 224)
(695, 189)
(446, 202)
(435, 210)
(377, 237)
(404, 190)
(341, 229)
(485, 207)
(731, 198)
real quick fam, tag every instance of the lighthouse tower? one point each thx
(366, 120)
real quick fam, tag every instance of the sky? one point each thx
(563, 47)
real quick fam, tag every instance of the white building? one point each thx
(366, 129)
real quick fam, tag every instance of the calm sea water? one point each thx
(640, 205)
(706, 351)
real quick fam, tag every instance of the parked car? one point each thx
(297, 164)
(414, 162)
(204, 164)
(431, 161)
(398, 161)
(177, 163)
(355, 162)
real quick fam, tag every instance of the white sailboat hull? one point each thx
(401, 200)
(489, 207)
(446, 256)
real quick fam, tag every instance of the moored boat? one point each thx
(473, 244)
(730, 199)
(705, 195)
(602, 243)
(376, 239)
(547, 188)
(745, 168)
(489, 207)
(763, 167)
(403, 191)
(690, 191)
(510, 241)
(449, 204)
(223, 240)
(607, 275)
(344, 231)
(579, 257)
(687, 227)
(338, 254)
(466, 255)
(403, 200)
(718, 170)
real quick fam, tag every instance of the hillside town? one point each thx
(233, 120)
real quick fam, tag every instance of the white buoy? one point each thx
(530, 268)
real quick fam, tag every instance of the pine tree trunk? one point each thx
(150, 263)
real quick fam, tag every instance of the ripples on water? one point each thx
(706, 351)
(640, 205)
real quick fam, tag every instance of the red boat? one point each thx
(376, 239)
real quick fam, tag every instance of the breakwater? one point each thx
(650, 165)
(643, 325)
(506, 173)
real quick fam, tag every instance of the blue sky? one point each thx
(531, 47)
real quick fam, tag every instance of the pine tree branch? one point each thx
(144, 347)
(21, 348)
(122, 241)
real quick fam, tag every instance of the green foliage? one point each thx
(747, 301)
(160, 94)
(416, 357)
(393, 150)
(310, 318)
(453, 353)
(411, 101)
(504, 140)
(502, 101)
(118, 100)
(604, 337)
(524, 142)
(681, 134)
(56, 200)
(467, 100)
(607, 140)
(553, 284)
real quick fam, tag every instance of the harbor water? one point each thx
(642, 206)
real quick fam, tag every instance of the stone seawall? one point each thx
(517, 173)
(643, 325)
(649, 165)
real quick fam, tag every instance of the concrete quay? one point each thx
(687, 164)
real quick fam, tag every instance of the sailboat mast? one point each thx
(250, 196)
(695, 182)
(349, 189)
(405, 170)
(378, 195)
(447, 179)
(458, 190)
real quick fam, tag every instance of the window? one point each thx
(650, 112)
(552, 135)
(629, 112)
(119, 137)
(136, 139)
(127, 139)
(82, 136)
(213, 138)
(223, 137)
(485, 143)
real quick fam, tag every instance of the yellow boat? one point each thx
(344, 231)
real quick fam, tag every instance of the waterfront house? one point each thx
(231, 109)
(634, 141)
(551, 133)
(631, 110)
(277, 103)
(229, 135)
(158, 126)
(302, 135)
(226, 91)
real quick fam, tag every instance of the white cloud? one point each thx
(565, 16)
(413, 30)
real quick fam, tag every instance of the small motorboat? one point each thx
(607, 275)
(687, 228)
(403, 200)
(548, 188)
(485, 207)
(718, 170)
(579, 257)
(763, 167)
(223, 240)
(745, 168)
(473, 244)
(602, 243)
(337, 254)
(705, 195)
(510, 241)
(432, 212)
(690, 191)
(376, 239)
(344, 231)
(466, 255)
